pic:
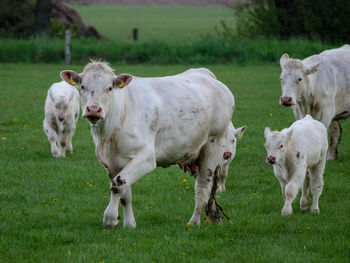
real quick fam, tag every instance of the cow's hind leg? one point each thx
(316, 185)
(209, 159)
(335, 131)
(304, 200)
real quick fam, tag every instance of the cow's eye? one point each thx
(300, 79)
(110, 89)
(233, 141)
(82, 87)
(281, 146)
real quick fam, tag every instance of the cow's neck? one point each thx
(113, 122)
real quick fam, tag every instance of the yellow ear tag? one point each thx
(290, 139)
(315, 70)
(240, 136)
(72, 81)
(121, 85)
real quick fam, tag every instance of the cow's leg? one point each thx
(335, 131)
(53, 137)
(111, 213)
(292, 188)
(69, 141)
(222, 177)
(316, 185)
(129, 219)
(283, 190)
(209, 159)
(62, 144)
(304, 200)
(136, 168)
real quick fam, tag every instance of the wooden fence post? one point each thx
(135, 33)
(68, 46)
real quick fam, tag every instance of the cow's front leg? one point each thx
(292, 188)
(111, 213)
(52, 137)
(136, 168)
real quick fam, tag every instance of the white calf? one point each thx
(298, 155)
(61, 116)
(229, 153)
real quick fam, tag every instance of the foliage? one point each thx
(325, 20)
(16, 17)
(210, 51)
(51, 210)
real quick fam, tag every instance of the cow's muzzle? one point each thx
(227, 155)
(93, 113)
(271, 159)
(61, 117)
(286, 101)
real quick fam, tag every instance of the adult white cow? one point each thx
(320, 86)
(61, 116)
(140, 123)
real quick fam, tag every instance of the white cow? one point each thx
(229, 153)
(61, 116)
(140, 123)
(298, 155)
(320, 86)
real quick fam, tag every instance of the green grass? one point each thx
(180, 24)
(50, 213)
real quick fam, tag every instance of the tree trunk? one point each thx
(42, 18)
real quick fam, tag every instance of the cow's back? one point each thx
(182, 111)
(310, 137)
(332, 81)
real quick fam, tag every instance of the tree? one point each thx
(42, 18)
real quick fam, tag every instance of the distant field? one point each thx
(155, 23)
(51, 210)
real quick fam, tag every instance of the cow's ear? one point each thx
(312, 68)
(239, 132)
(289, 135)
(71, 77)
(267, 131)
(122, 81)
(284, 59)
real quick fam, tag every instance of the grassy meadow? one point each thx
(51, 210)
(176, 24)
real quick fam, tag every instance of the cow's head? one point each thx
(276, 145)
(98, 86)
(294, 79)
(232, 135)
(61, 102)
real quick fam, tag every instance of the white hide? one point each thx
(62, 101)
(140, 123)
(298, 155)
(230, 144)
(320, 86)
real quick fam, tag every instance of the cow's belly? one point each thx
(181, 142)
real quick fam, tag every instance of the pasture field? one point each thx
(51, 210)
(176, 24)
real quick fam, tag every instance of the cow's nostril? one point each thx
(99, 110)
(88, 109)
